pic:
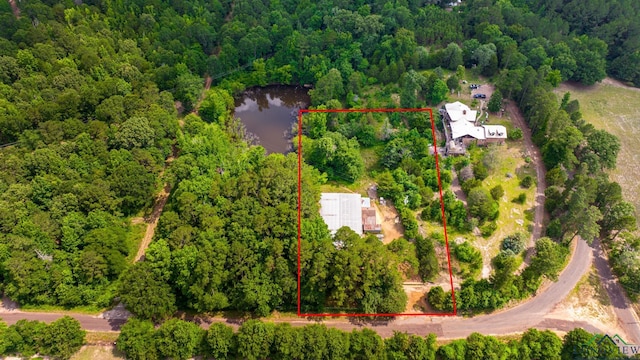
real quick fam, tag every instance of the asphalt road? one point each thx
(517, 319)
(621, 305)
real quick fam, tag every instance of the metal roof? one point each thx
(340, 209)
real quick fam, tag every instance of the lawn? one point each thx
(98, 352)
(86, 310)
(614, 108)
(513, 217)
(101, 337)
(134, 237)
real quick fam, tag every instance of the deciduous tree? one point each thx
(137, 340)
(178, 339)
(495, 103)
(144, 295)
(255, 339)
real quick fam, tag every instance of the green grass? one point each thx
(370, 157)
(134, 237)
(86, 310)
(591, 279)
(510, 160)
(614, 109)
(100, 337)
(601, 294)
(501, 338)
(98, 352)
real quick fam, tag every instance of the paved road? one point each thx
(517, 319)
(621, 305)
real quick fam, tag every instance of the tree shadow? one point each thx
(116, 324)
(117, 353)
(529, 214)
(527, 169)
(371, 321)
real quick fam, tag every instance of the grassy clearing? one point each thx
(134, 237)
(599, 293)
(614, 109)
(370, 156)
(510, 167)
(86, 310)
(502, 338)
(101, 337)
(98, 352)
(513, 217)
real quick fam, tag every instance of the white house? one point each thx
(462, 128)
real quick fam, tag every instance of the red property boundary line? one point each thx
(444, 220)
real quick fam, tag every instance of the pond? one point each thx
(269, 114)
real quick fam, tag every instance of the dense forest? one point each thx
(91, 94)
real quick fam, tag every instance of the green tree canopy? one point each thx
(178, 339)
(144, 295)
(481, 204)
(137, 340)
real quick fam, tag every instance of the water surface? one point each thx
(269, 113)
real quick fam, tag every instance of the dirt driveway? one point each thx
(486, 89)
(391, 227)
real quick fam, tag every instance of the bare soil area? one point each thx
(391, 227)
(589, 301)
(152, 220)
(417, 299)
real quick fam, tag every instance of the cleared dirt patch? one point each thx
(589, 301)
(152, 220)
(417, 300)
(391, 227)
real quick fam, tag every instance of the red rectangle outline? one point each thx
(444, 220)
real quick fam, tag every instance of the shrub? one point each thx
(521, 199)
(488, 229)
(426, 257)
(409, 222)
(470, 259)
(554, 229)
(497, 192)
(526, 181)
(556, 176)
(465, 173)
(516, 243)
(469, 185)
(466, 253)
(481, 205)
(473, 223)
(437, 298)
(480, 171)
(515, 134)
